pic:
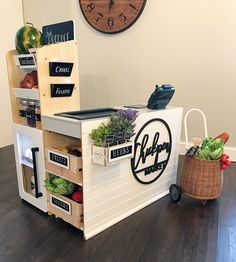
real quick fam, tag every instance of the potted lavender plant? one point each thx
(111, 141)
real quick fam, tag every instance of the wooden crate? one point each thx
(64, 165)
(113, 154)
(65, 208)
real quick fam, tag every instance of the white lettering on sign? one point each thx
(27, 62)
(62, 70)
(62, 92)
(121, 152)
(60, 204)
(57, 38)
(59, 159)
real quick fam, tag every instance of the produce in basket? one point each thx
(225, 162)
(224, 137)
(211, 149)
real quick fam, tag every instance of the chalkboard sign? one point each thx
(25, 61)
(60, 68)
(119, 137)
(61, 204)
(60, 32)
(109, 139)
(121, 152)
(58, 159)
(127, 135)
(62, 90)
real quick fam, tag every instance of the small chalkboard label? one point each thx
(60, 32)
(60, 204)
(127, 136)
(62, 90)
(59, 159)
(119, 137)
(120, 152)
(25, 61)
(60, 68)
(109, 139)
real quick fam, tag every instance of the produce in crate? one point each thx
(30, 80)
(77, 196)
(28, 37)
(59, 185)
(75, 151)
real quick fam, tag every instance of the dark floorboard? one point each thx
(161, 232)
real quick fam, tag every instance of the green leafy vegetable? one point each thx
(59, 185)
(212, 149)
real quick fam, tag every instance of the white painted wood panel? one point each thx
(24, 139)
(112, 193)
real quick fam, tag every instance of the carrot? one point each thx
(224, 137)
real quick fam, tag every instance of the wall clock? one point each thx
(111, 16)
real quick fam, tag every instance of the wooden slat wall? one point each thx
(61, 52)
(112, 193)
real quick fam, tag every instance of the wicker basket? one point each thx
(201, 179)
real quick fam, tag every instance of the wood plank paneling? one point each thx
(112, 193)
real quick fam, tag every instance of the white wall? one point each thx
(11, 19)
(190, 44)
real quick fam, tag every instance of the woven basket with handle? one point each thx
(200, 179)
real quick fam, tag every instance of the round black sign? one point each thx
(152, 149)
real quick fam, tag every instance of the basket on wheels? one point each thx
(201, 179)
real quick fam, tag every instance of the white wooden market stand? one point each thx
(114, 192)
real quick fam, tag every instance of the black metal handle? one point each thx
(37, 193)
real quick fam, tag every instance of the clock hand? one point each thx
(111, 3)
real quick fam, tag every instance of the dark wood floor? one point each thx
(163, 231)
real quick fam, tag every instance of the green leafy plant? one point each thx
(122, 122)
(99, 134)
(59, 185)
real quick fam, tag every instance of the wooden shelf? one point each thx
(18, 67)
(77, 181)
(25, 93)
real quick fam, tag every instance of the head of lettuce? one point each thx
(212, 149)
(59, 185)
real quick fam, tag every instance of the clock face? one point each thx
(111, 16)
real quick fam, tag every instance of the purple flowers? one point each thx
(128, 114)
(120, 125)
